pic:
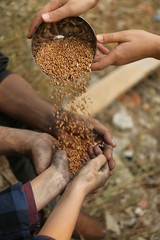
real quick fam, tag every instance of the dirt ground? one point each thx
(129, 203)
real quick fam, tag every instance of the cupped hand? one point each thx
(94, 174)
(56, 10)
(90, 126)
(132, 45)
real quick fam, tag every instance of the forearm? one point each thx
(14, 141)
(62, 220)
(19, 101)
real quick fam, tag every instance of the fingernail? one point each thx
(99, 38)
(113, 142)
(46, 16)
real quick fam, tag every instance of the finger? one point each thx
(97, 151)
(103, 49)
(97, 58)
(98, 162)
(106, 61)
(104, 172)
(107, 151)
(112, 37)
(38, 18)
(98, 54)
(91, 152)
(58, 14)
(103, 132)
(36, 21)
(111, 164)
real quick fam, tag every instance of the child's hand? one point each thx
(132, 45)
(94, 174)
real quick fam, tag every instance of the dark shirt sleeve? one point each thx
(3, 65)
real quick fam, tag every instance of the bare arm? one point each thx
(19, 101)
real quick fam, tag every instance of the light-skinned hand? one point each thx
(132, 45)
(56, 10)
(94, 174)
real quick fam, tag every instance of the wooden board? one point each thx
(109, 87)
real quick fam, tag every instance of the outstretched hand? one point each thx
(56, 10)
(132, 45)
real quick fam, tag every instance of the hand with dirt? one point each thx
(56, 10)
(39, 147)
(42, 149)
(132, 45)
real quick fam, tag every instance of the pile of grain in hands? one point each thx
(68, 61)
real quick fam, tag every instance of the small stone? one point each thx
(142, 204)
(156, 99)
(121, 24)
(118, 181)
(146, 106)
(122, 121)
(144, 123)
(139, 212)
(128, 153)
(130, 222)
(112, 225)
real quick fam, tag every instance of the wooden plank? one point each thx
(109, 87)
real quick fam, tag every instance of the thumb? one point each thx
(60, 158)
(98, 162)
(57, 14)
(111, 37)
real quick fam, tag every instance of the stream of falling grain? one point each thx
(67, 61)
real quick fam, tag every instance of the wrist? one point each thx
(77, 189)
(157, 48)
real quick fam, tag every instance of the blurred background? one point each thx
(130, 202)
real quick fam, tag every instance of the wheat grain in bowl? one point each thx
(69, 44)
